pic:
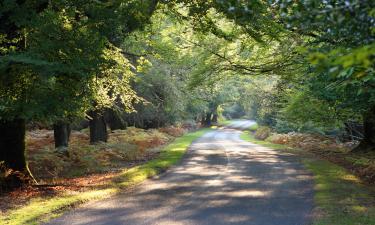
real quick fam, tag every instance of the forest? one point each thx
(92, 88)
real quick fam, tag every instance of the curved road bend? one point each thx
(222, 180)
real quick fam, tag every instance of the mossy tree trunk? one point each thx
(98, 127)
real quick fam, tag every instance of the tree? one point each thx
(51, 55)
(340, 47)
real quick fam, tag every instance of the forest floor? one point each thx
(362, 164)
(89, 171)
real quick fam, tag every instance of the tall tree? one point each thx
(52, 53)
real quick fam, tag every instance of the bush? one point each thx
(123, 148)
(173, 131)
(189, 125)
(262, 133)
(306, 141)
(253, 127)
(234, 111)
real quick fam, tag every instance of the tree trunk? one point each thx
(215, 114)
(114, 120)
(61, 133)
(12, 152)
(202, 119)
(368, 141)
(215, 118)
(208, 120)
(98, 127)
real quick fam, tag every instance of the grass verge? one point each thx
(43, 209)
(224, 122)
(248, 136)
(253, 127)
(340, 197)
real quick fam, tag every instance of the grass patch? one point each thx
(224, 122)
(340, 197)
(253, 127)
(43, 209)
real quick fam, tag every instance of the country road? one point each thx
(222, 180)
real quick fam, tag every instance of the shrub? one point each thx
(253, 127)
(123, 148)
(307, 141)
(173, 131)
(262, 133)
(189, 125)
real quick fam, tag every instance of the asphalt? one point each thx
(222, 180)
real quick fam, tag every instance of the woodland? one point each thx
(130, 75)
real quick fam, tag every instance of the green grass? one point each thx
(253, 127)
(225, 122)
(340, 197)
(43, 209)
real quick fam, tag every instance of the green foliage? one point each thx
(262, 133)
(59, 57)
(234, 111)
(253, 127)
(340, 48)
(304, 112)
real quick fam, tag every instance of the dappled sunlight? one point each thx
(244, 193)
(221, 179)
(94, 92)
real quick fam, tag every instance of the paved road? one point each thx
(222, 180)
(241, 124)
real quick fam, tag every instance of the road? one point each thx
(222, 180)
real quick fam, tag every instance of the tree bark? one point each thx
(208, 121)
(215, 118)
(368, 141)
(12, 152)
(115, 122)
(215, 115)
(61, 133)
(98, 127)
(202, 119)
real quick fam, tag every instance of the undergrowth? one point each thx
(124, 146)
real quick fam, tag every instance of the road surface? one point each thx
(222, 180)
